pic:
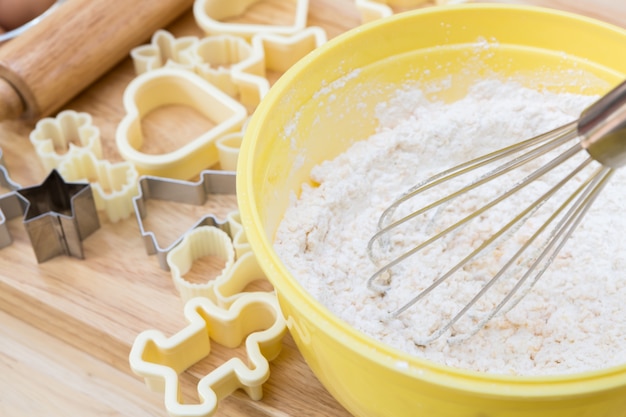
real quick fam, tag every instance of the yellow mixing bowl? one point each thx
(326, 102)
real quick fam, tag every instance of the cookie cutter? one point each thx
(56, 139)
(282, 51)
(11, 203)
(233, 65)
(113, 184)
(253, 319)
(239, 269)
(371, 10)
(174, 86)
(58, 216)
(210, 16)
(163, 50)
(187, 192)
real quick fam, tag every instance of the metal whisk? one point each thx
(600, 131)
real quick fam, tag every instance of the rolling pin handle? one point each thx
(11, 104)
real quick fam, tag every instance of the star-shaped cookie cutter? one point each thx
(186, 192)
(254, 319)
(58, 216)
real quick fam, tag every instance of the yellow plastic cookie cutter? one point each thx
(254, 319)
(113, 184)
(173, 86)
(163, 50)
(58, 138)
(210, 16)
(198, 243)
(239, 269)
(230, 63)
(282, 51)
(377, 9)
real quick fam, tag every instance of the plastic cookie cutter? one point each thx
(253, 319)
(376, 9)
(59, 215)
(211, 14)
(57, 138)
(187, 192)
(281, 52)
(239, 269)
(113, 184)
(11, 203)
(163, 50)
(173, 86)
(230, 63)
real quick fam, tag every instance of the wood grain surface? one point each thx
(67, 325)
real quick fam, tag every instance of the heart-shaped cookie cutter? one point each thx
(174, 86)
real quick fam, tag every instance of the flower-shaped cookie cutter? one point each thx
(113, 184)
(56, 139)
(163, 50)
(210, 16)
(254, 319)
(174, 86)
(187, 192)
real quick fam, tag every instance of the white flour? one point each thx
(575, 317)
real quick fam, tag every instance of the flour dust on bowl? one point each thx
(383, 105)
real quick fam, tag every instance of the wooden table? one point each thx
(67, 324)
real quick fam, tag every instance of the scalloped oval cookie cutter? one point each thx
(210, 16)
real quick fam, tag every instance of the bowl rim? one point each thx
(490, 384)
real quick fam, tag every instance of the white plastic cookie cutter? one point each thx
(377, 9)
(56, 139)
(173, 86)
(210, 15)
(253, 319)
(239, 269)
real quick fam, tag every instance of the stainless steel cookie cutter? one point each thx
(187, 192)
(11, 203)
(58, 216)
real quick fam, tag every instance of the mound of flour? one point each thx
(573, 320)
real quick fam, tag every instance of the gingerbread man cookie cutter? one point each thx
(175, 86)
(253, 319)
(187, 192)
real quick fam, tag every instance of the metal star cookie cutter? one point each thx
(254, 319)
(187, 192)
(69, 132)
(59, 215)
(11, 203)
(174, 86)
(113, 184)
(210, 16)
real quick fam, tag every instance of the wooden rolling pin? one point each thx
(75, 45)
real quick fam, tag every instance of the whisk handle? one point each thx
(602, 127)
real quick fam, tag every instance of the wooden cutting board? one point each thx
(68, 324)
